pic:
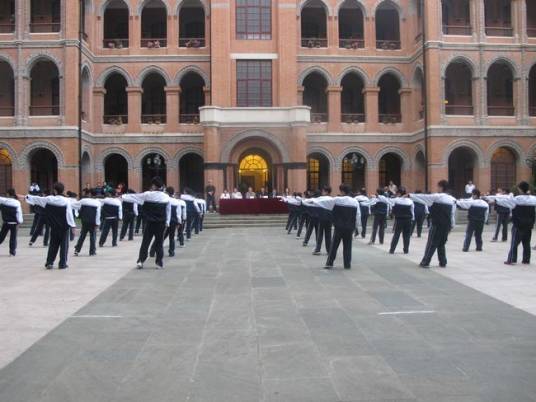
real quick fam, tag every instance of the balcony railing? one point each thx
(314, 42)
(351, 43)
(45, 110)
(501, 110)
(531, 32)
(457, 29)
(7, 28)
(459, 110)
(192, 42)
(115, 43)
(189, 118)
(153, 119)
(115, 119)
(390, 118)
(499, 31)
(154, 43)
(388, 44)
(353, 118)
(45, 27)
(319, 117)
(7, 111)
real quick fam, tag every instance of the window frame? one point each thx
(248, 101)
(247, 14)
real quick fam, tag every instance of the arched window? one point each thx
(192, 24)
(456, 17)
(116, 25)
(387, 27)
(153, 165)
(153, 103)
(498, 17)
(390, 169)
(351, 25)
(314, 25)
(7, 90)
(7, 16)
(458, 89)
(317, 171)
(192, 172)
(192, 98)
(462, 162)
(532, 91)
(154, 24)
(500, 85)
(352, 99)
(531, 19)
(354, 168)
(503, 169)
(5, 171)
(45, 89)
(315, 96)
(116, 170)
(115, 100)
(45, 16)
(43, 168)
(389, 99)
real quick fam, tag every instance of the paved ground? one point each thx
(248, 315)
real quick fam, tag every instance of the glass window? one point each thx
(254, 83)
(253, 19)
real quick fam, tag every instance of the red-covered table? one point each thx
(253, 206)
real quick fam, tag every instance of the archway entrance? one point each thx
(153, 165)
(44, 169)
(503, 169)
(254, 171)
(462, 162)
(192, 172)
(5, 171)
(116, 170)
(354, 168)
(390, 169)
(317, 171)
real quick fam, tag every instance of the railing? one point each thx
(459, 110)
(189, 118)
(115, 43)
(115, 119)
(501, 110)
(46, 110)
(154, 43)
(353, 118)
(532, 111)
(319, 117)
(192, 42)
(531, 32)
(388, 44)
(390, 118)
(314, 42)
(44, 27)
(351, 43)
(7, 111)
(457, 29)
(7, 28)
(153, 119)
(499, 31)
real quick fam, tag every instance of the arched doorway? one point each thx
(390, 169)
(420, 167)
(192, 172)
(86, 168)
(116, 170)
(317, 171)
(462, 162)
(43, 168)
(153, 165)
(254, 170)
(503, 169)
(354, 168)
(5, 171)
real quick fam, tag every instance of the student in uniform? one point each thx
(60, 217)
(293, 204)
(364, 208)
(404, 213)
(346, 218)
(442, 208)
(503, 216)
(42, 228)
(478, 211)
(112, 213)
(192, 211)
(139, 219)
(203, 207)
(523, 208)
(130, 213)
(313, 214)
(180, 227)
(157, 215)
(174, 221)
(324, 224)
(379, 206)
(421, 212)
(11, 218)
(89, 211)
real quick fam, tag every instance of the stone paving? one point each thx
(249, 315)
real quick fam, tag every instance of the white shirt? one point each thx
(13, 203)
(116, 202)
(90, 202)
(188, 197)
(225, 196)
(55, 200)
(471, 202)
(509, 201)
(469, 188)
(439, 198)
(175, 203)
(403, 201)
(182, 206)
(151, 196)
(237, 195)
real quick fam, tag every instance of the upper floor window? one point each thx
(253, 19)
(498, 16)
(45, 16)
(456, 17)
(254, 83)
(7, 16)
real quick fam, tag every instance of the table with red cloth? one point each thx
(254, 206)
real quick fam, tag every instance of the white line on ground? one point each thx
(407, 312)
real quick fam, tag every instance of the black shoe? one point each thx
(101, 245)
(152, 254)
(171, 254)
(63, 267)
(525, 262)
(75, 253)
(304, 244)
(442, 265)
(30, 244)
(12, 254)
(406, 251)
(494, 240)
(347, 267)
(509, 263)
(478, 249)
(425, 266)
(49, 266)
(92, 254)
(391, 252)
(159, 265)
(327, 266)
(317, 253)
(465, 250)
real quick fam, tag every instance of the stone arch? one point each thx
(184, 151)
(371, 163)
(87, 66)
(462, 143)
(109, 71)
(458, 58)
(323, 151)
(359, 3)
(152, 69)
(406, 162)
(234, 141)
(419, 148)
(395, 72)
(27, 152)
(104, 5)
(416, 70)
(501, 59)
(191, 69)
(142, 4)
(353, 70)
(505, 143)
(315, 69)
(150, 150)
(6, 59)
(43, 56)
(102, 156)
(203, 3)
(303, 3)
(394, 3)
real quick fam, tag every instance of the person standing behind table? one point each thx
(404, 213)
(250, 195)
(210, 191)
(503, 216)
(89, 211)
(469, 187)
(192, 211)
(523, 207)
(236, 195)
(477, 217)
(130, 213)
(379, 206)
(346, 217)
(324, 223)
(225, 195)
(60, 218)
(112, 213)
(364, 209)
(182, 224)
(443, 216)
(421, 212)
(157, 215)
(11, 218)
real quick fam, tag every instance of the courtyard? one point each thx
(249, 315)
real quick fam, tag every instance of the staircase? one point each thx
(217, 221)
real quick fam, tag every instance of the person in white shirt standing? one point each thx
(477, 215)
(469, 187)
(12, 218)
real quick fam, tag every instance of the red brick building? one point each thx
(285, 93)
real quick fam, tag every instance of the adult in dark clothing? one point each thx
(312, 222)
(364, 209)
(477, 216)
(42, 228)
(324, 225)
(404, 213)
(503, 217)
(112, 213)
(89, 212)
(174, 221)
(192, 211)
(421, 212)
(130, 213)
(11, 217)
(210, 191)
(379, 207)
